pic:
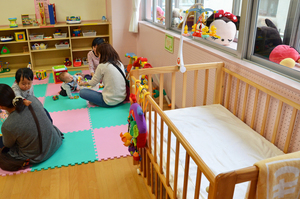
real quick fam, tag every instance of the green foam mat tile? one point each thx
(106, 117)
(74, 72)
(64, 103)
(40, 90)
(77, 148)
(7, 80)
(51, 80)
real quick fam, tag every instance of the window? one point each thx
(262, 26)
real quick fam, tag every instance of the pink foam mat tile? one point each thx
(42, 81)
(71, 120)
(9, 173)
(85, 72)
(42, 99)
(53, 89)
(108, 143)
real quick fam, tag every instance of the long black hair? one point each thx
(7, 96)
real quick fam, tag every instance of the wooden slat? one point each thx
(161, 190)
(155, 136)
(186, 175)
(265, 115)
(161, 91)
(168, 158)
(150, 87)
(161, 144)
(228, 89)
(290, 132)
(219, 75)
(156, 185)
(148, 168)
(222, 88)
(173, 90)
(150, 126)
(184, 89)
(198, 183)
(176, 169)
(254, 108)
(252, 190)
(205, 86)
(152, 188)
(195, 87)
(275, 129)
(245, 102)
(236, 96)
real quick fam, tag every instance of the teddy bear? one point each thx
(285, 55)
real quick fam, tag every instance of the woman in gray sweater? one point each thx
(20, 135)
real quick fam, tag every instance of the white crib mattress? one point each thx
(222, 140)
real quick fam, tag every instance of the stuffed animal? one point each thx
(176, 17)
(285, 55)
(226, 25)
(267, 38)
(160, 14)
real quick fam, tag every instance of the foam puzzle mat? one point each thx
(91, 133)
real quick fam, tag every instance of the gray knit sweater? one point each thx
(20, 134)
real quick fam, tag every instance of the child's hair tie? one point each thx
(16, 99)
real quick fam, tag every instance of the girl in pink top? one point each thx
(92, 56)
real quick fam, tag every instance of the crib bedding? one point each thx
(222, 140)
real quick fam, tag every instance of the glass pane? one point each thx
(160, 11)
(271, 31)
(149, 8)
(222, 27)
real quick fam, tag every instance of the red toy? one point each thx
(67, 62)
(285, 55)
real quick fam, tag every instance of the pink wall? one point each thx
(119, 14)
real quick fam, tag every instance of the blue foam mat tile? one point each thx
(107, 117)
(40, 90)
(64, 103)
(7, 80)
(77, 148)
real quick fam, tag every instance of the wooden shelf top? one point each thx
(82, 37)
(81, 49)
(13, 42)
(15, 54)
(53, 39)
(50, 49)
(59, 24)
(49, 67)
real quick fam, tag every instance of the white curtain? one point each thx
(133, 27)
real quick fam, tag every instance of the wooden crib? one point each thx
(221, 186)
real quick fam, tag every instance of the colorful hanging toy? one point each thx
(136, 136)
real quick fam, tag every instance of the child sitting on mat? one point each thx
(69, 85)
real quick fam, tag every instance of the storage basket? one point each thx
(62, 35)
(87, 33)
(39, 46)
(61, 46)
(36, 36)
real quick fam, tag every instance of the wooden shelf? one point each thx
(86, 37)
(13, 42)
(50, 49)
(53, 39)
(81, 49)
(14, 55)
(47, 58)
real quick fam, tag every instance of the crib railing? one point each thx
(221, 186)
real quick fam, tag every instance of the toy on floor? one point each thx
(13, 23)
(76, 96)
(67, 62)
(56, 70)
(55, 97)
(40, 74)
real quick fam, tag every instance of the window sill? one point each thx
(254, 68)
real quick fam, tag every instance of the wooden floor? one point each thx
(110, 179)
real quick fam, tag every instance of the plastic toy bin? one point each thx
(87, 33)
(62, 35)
(61, 46)
(36, 36)
(39, 47)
